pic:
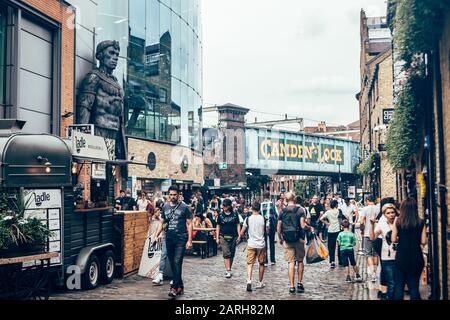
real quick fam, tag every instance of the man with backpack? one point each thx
(290, 224)
(269, 213)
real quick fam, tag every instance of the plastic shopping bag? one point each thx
(312, 255)
(322, 250)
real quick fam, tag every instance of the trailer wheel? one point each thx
(90, 277)
(108, 267)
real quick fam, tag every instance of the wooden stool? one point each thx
(203, 247)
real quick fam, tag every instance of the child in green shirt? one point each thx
(347, 241)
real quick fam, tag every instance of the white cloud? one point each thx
(285, 56)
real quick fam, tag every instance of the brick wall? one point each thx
(388, 178)
(62, 14)
(168, 161)
(371, 108)
(445, 84)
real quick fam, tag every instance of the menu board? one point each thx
(46, 205)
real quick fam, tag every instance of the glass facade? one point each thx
(161, 67)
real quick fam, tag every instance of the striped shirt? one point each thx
(346, 240)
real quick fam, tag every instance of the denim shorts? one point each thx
(369, 249)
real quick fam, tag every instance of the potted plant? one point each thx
(20, 234)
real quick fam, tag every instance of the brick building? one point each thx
(224, 154)
(279, 184)
(376, 103)
(441, 103)
(427, 178)
(350, 131)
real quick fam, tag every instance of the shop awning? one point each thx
(98, 160)
(34, 160)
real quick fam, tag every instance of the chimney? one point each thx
(322, 126)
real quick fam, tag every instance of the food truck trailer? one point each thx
(47, 170)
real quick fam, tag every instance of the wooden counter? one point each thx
(42, 256)
(92, 210)
(130, 233)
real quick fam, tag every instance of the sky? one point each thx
(277, 57)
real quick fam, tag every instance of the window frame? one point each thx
(15, 12)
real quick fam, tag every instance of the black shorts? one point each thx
(377, 244)
(348, 256)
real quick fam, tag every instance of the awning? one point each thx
(182, 181)
(96, 160)
(34, 160)
(227, 187)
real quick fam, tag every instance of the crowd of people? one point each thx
(382, 231)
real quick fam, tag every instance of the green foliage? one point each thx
(366, 166)
(403, 137)
(16, 230)
(256, 182)
(418, 24)
(301, 188)
(418, 27)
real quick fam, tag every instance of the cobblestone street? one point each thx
(204, 279)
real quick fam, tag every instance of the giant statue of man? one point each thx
(100, 98)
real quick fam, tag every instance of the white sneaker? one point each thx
(373, 278)
(158, 280)
(260, 285)
(228, 274)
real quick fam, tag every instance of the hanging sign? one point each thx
(88, 146)
(99, 171)
(387, 115)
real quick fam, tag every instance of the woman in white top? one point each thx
(142, 202)
(331, 219)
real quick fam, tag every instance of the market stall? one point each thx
(91, 236)
(72, 194)
(35, 186)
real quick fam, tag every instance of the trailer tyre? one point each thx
(91, 275)
(108, 265)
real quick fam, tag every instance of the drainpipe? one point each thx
(431, 153)
(442, 189)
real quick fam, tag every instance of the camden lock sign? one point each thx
(294, 150)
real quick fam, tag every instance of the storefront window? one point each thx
(2, 60)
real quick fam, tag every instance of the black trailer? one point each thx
(42, 166)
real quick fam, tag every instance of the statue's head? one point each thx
(108, 54)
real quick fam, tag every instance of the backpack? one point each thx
(290, 226)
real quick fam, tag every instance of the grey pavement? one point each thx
(204, 279)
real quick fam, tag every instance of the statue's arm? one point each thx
(86, 98)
